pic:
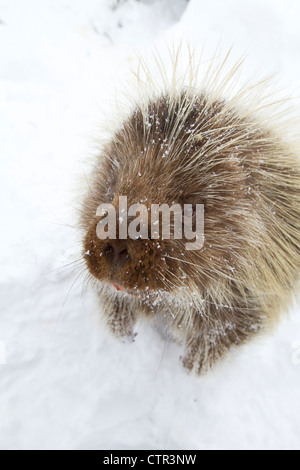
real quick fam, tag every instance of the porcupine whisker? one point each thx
(68, 294)
(76, 263)
(85, 285)
(62, 224)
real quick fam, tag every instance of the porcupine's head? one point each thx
(180, 148)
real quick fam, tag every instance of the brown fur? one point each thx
(185, 146)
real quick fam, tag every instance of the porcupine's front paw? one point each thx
(121, 321)
(199, 357)
(194, 361)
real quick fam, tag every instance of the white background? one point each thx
(67, 384)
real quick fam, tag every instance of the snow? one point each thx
(65, 383)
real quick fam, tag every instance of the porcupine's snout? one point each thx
(117, 254)
(106, 259)
(132, 265)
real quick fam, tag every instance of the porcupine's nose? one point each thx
(117, 253)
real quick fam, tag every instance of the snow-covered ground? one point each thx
(65, 383)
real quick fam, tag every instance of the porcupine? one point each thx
(187, 143)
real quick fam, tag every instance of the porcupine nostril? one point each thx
(109, 251)
(123, 256)
(117, 255)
